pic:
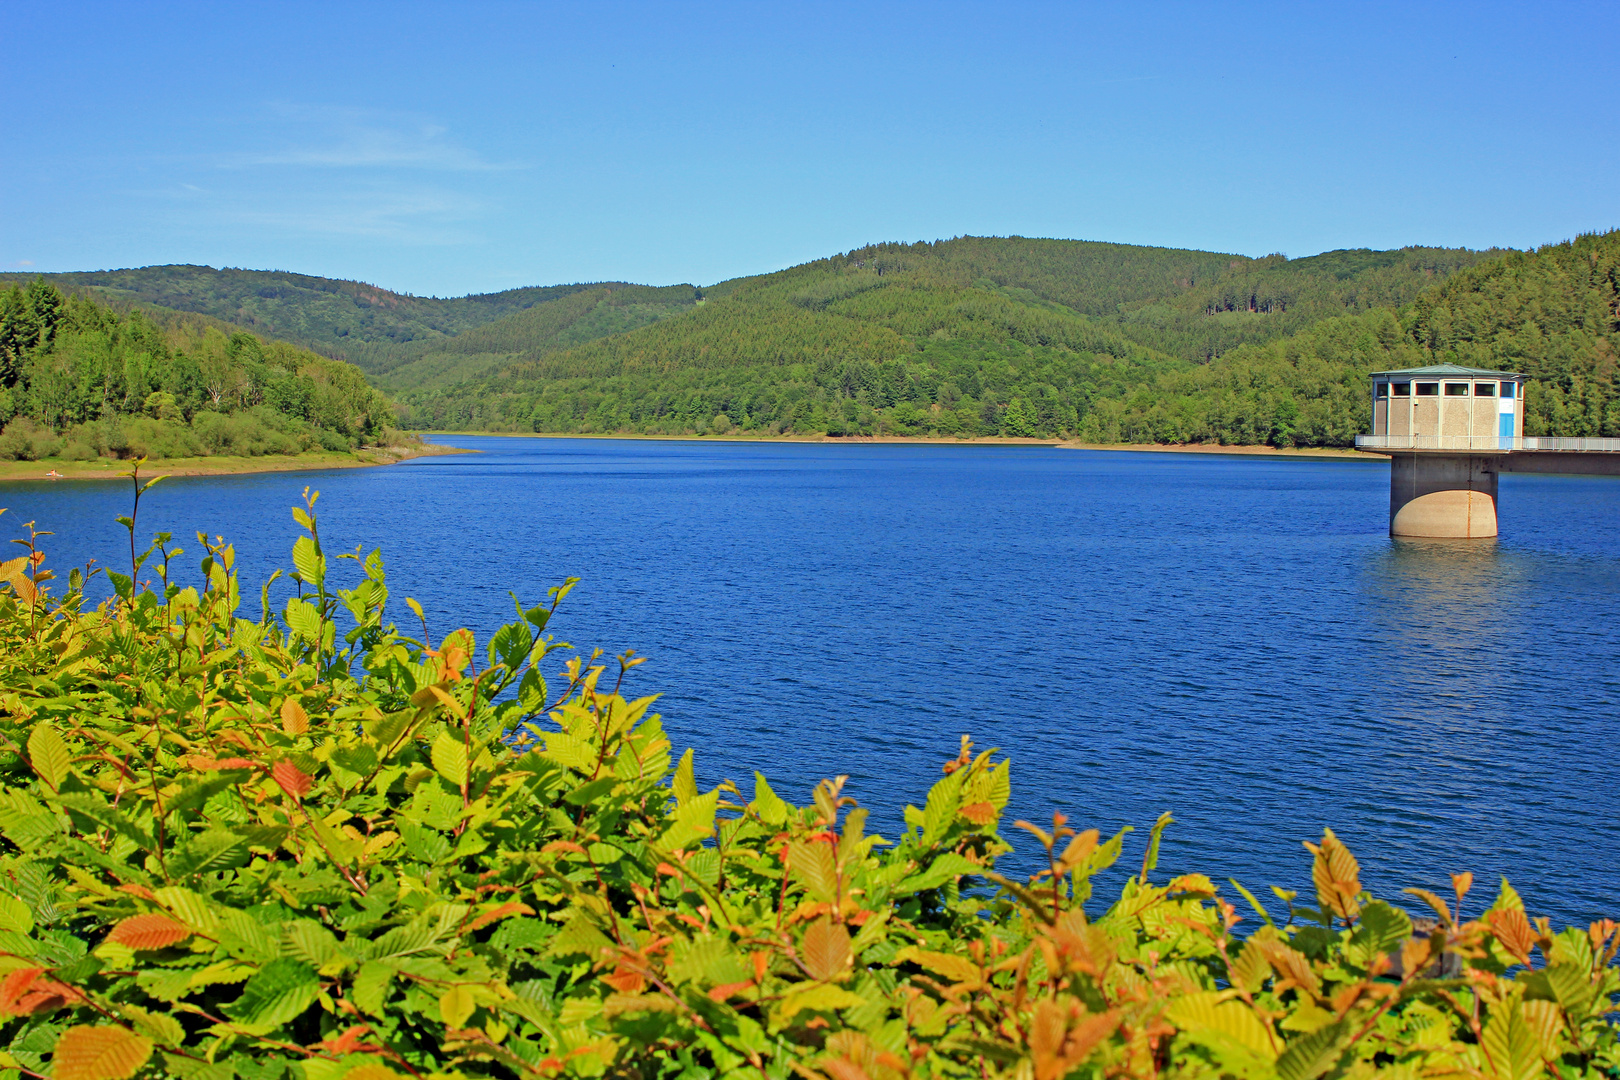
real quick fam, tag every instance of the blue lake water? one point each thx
(1236, 640)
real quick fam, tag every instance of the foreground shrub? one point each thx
(311, 845)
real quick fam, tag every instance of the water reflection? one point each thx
(1442, 597)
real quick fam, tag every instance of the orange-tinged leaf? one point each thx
(292, 779)
(1060, 1038)
(1513, 930)
(826, 952)
(209, 764)
(137, 890)
(348, 1042)
(958, 969)
(1336, 875)
(626, 981)
(294, 721)
(15, 986)
(153, 931)
(102, 1052)
(497, 914)
(979, 813)
(729, 990)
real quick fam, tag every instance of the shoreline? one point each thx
(982, 440)
(222, 465)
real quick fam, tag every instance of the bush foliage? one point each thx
(311, 844)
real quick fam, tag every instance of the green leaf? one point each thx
(371, 986)
(190, 1068)
(310, 563)
(280, 992)
(770, 808)
(1150, 859)
(93, 805)
(588, 793)
(1382, 929)
(49, 756)
(684, 785)
(693, 821)
(303, 620)
(15, 915)
(944, 799)
(450, 758)
(309, 941)
(157, 1026)
(945, 868)
(216, 849)
(1309, 1056)
(195, 794)
(428, 845)
(199, 914)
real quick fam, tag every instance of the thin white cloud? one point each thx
(347, 138)
(409, 216)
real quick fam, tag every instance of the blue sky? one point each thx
(445, 149)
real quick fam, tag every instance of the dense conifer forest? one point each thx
(80, 380)
(973, 336)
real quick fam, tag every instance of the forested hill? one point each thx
(80, 380)
(906, 339)
(348, 320)
(970, 336)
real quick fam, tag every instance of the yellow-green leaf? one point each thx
(1511, 1044)
(1230, 1024)
(819, 996)
(456, 1006)
(49, 755)
(450, 759)
(812, 864)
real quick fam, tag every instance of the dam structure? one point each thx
(1450, 431)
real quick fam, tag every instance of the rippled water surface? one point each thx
(1236, 640)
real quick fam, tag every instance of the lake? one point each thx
(1236, 640)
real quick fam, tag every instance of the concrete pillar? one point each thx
(1442, 495)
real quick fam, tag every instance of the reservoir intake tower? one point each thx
(1449, 432)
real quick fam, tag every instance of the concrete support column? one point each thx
(1442, 495)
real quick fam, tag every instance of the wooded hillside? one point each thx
(79, 379)
(970, 336)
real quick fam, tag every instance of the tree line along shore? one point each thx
(972, 338)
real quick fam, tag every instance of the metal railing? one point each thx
(1499, 444)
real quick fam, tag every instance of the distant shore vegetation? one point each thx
(80, 380)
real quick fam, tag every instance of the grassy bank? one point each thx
(219, 465)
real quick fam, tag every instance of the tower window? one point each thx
(1484, 389)
(1456, 389)
(1428, 389)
